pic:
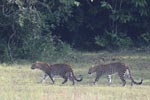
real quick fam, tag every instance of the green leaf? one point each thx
(106, 5)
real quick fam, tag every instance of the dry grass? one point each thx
(18, 82)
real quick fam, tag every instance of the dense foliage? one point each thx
(37, 29)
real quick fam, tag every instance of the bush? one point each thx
(114, 41)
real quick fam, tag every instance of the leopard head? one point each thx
(38, 65)
(91, 70)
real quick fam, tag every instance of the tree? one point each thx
(26, 25)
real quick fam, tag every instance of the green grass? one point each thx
(19, 82)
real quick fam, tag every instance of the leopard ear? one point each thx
(92, 65)
(37, 62)
(49, 65)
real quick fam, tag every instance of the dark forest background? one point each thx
(51, 29)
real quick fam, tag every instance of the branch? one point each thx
(8, 44)
(89, 3)
(43, 4)
(10, 11)
(3, 10)
(120, 5)
(4, 24)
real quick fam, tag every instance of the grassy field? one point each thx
(19, 82)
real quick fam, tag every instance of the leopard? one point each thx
(61, 69)
(120, 68)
